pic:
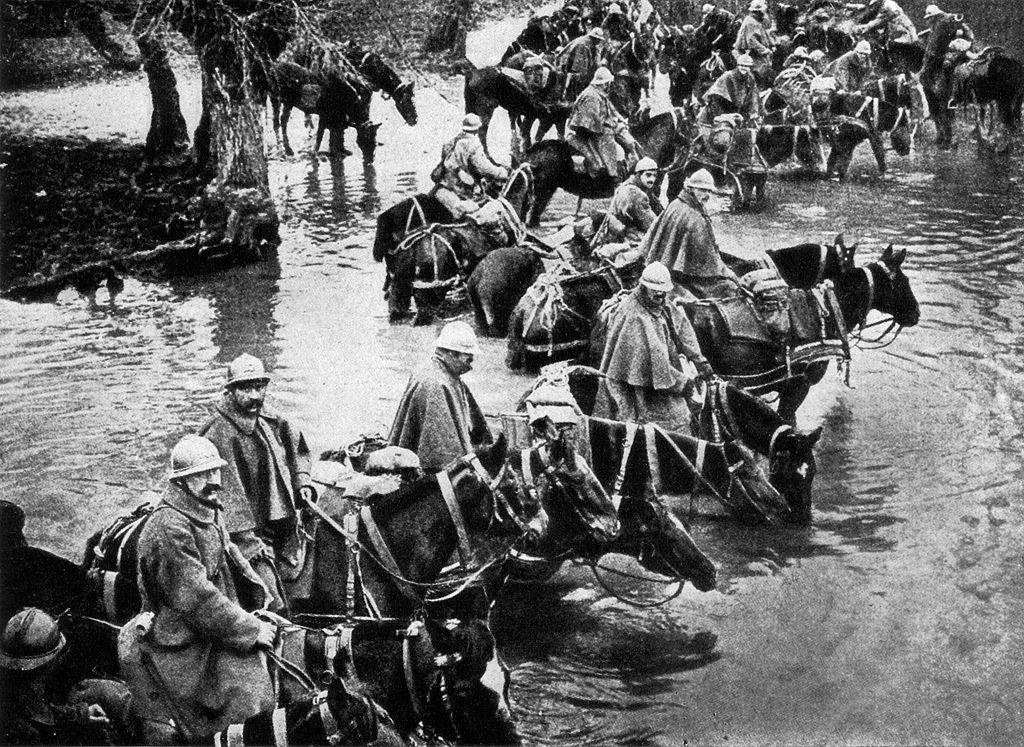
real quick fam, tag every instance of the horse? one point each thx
(431, 260)
(340, 100)
(647, 531)
(729, 413)
(994, 85)
(710, 70)
(383, 78)
(661, 137)
(498, 282)
(934, 78)
(880, 117)
(552, 321)
(803, 265)
(327, 715)
(425, 672)
(905, 92)
(760, 367)
(632, 61)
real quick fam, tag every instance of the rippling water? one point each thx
(895, 618)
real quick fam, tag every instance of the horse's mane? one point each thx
(407, 493)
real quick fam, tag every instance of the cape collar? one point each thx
(200, 510)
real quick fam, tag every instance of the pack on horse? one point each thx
(802, 265)
(741, 348)
(340, 100)
(432, 260)
(552, 321)
(994, 85)
(936, 77)
(903, 91)
(426, 672)
(880, 117)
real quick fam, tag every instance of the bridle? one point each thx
(878, 342)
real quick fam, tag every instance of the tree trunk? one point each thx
(449, 32)
(167, 140)
(236, 202)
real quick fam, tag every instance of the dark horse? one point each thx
(430, 261)
(761, 366)
(340, 100)
(936, 79)
(994, 84)
(803, 265)
(382, 77)
(661, 137)
(425, 673)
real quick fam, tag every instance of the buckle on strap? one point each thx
(330, 724)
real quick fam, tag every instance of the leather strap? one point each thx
(280, 726)
(384, 556)
(413, 631)
(109, 596)
(235, 736)
(620, 478)
(444, 481)
(330, 724)
(652, 458)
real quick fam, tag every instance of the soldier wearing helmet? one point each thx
(683, 240)
(852, 70)
(30, 655)
(617, 28)
(438, 417)
(646, 338)
(581, 57)
(464, 164)
(633, 208)
(597, 129)
(266, 476)
(192, 656)
(756, 40)
(734, 91)
(887, 19)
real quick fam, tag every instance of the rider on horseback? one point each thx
(597, 128)
(887, 19)
(457, 178)
(634, 207)
(192, 657)
(755, 40)
(683, 239)
(735, 91)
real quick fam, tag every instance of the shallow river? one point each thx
(894, 618)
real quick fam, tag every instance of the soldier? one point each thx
(734, 91)
(646, 335)
(755, 40)
(581, 57)
(192, 656)
(634, 207)
(438, 417)
(464, 163)
(266, 477)
(596, 128)
(852, 70)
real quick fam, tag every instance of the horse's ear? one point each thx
(840, 240)
(887, 254)
(813, 436)
(899, 256)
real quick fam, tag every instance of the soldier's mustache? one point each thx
(209, 490)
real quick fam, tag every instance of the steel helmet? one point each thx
(459, 337)
(246, 368)
(817, 54)
(192, 455)
(688, 28)
(891, 6)
(758, 5)
(801, 52)
(931, 11)
(744, 60)
(821, 14)
(602, 76)
(706, 8)
(656, 277)
(614, 9)
(471, 123)
(960, 44)
(533, 61)
(12, 524)
(645, 164)
(701, 179)
(596, 33)
(553, 402)
(31, 640)
(863, 47)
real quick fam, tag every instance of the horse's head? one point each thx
(845, 254)
(661, 544)
(366, 139)
(405, 102)
(746, 477)
(792, 467)
(893, 294)
(334, 716)
(501, 501)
